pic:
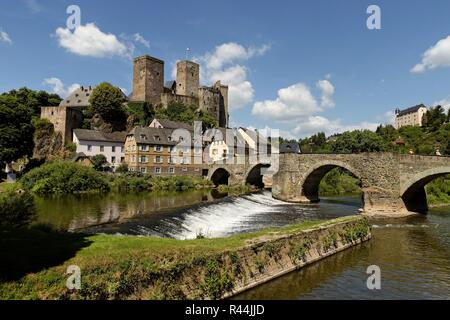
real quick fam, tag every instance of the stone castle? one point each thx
(149, 86)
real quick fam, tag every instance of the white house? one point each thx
(410, 117)
(111, 145)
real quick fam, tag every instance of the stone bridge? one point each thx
(392, 184)
(238, 173)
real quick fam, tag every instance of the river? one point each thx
(413, 254)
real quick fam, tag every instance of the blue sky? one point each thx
(299, 66)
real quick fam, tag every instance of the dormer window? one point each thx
(158, 138)
(143, 137)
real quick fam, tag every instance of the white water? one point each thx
(238, 214)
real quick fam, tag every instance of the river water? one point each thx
(413, 254)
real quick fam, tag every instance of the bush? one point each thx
(64, 177)
(131, 181)
(177, 183)
(123, 168)
(16, 209)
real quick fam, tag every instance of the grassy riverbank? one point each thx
(34, 263)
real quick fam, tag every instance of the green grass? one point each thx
(34, 262)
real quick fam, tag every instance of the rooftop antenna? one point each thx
(187, 52)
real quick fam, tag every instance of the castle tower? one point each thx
(223, 106)
(188, 78)
(148, 79)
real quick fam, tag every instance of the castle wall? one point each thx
(148, 79)
(64, 120)
(168, 97)
(209, 101)
(188, 78)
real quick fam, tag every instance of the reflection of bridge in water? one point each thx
(391, 183)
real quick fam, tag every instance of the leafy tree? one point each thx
(16, 130)
(142, 112)
(34, 100)
(123, 168)
(99, 162)
(107, 101)
(177, 111)
(435, 117)
(359, 141)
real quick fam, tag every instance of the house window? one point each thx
(89, 148)
(143, 160)
(172, 160)
(158, 170)
(143, 170)
(113, 149)
(102, 148)
(122, 149)
(158, 148)
(158, 159)
(171, 170)
(185, 169)
(122, 159)
(113, 159)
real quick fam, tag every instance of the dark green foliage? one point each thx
(177, 111)
(216, 281)
(438, 191)
(107, 101)
(16, 209)
(64, 177)
(16, 130)
(358, 141)
(142, 112)
(17, 109)
(42, 128)
(339, 182)
(34, 100)
(434, 118)
(99, 162)
(131, 182)
(123, 168)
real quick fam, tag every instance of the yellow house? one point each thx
(163, 152)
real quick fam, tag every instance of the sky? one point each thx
(297, 66)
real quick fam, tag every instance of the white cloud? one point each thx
(315, 124)
(444, 103)
(138, 38)
(231, 52)
(59, 88)
(327, 93)
(296, 109)
(436, 56)
(89, 40)
(387, 118)
(225, 63)
(4, 37)
(295, 101)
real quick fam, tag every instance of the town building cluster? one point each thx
(164, 147)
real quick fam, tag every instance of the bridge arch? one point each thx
(254, 176)
(413, 191)
(220, 176)
(310, 184)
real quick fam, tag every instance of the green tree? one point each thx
(34, 100)
(16, 209)
(108, 101)
(123, 168)
(435, 117)
(16, 130)
(99, 162)
(358, 141)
